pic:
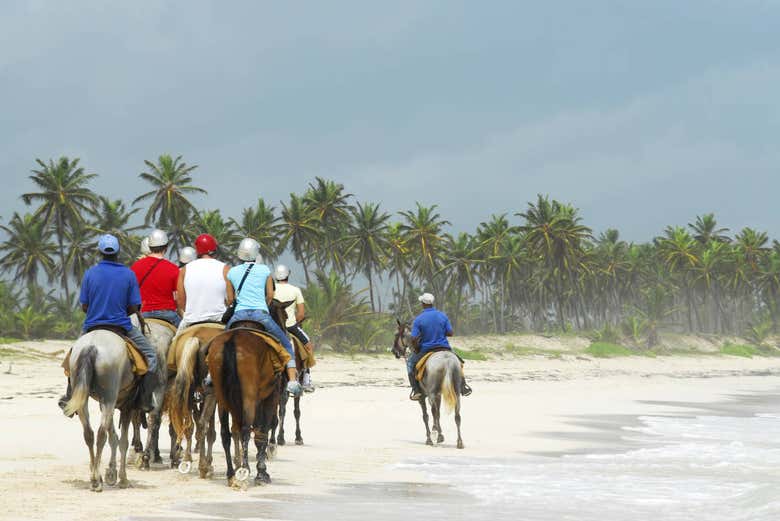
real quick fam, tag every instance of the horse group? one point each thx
(248, 393)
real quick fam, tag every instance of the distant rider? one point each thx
(187, 255)
(295, 313)
(254, 299)
(109, 294)
(429, 330)
(157, 278)
(201, 290)
(144, 251)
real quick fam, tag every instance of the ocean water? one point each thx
(707, 467)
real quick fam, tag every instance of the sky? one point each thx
(641, 114)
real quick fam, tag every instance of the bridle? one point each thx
(401, 341)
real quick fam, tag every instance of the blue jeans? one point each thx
(164, 314)
(411, 361)
(145, 346)
(261, 316)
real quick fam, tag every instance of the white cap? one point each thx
(158, 238)
(281, 272)
(248, 249)
(187, 254)
(145, 246)
(426, 298)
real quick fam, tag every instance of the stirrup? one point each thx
(465, 389)
(415, 395)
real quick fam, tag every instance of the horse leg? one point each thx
(197, 413)
(153, 419)
(175, 446)
(425, 421)
(156, 440)
(106, 424)
(89, 439)
(266, 413)
(282, 413)
(457, 420)
(124, 425)
(110, 476)
(436, 410)
(226, 438)
(205, 424)
(137, 445)
(297, 414)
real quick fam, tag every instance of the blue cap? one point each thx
(108, 244)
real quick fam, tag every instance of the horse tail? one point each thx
(81, 380)
(448, 387)
(231, 384)
(179, 410)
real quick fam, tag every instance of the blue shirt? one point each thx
(252, 295)
(108, 289)
(432, 327)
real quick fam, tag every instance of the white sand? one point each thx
(356, 426)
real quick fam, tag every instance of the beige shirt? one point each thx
(285, 291)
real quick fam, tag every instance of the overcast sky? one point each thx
(642, 114)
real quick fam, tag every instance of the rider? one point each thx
(157, 278)
(109, 294)
(144, 248)
(429, 330)
(254, 298)
(187, 255)
(295, 313)
(201, 290)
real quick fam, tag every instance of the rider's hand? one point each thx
(294, 388)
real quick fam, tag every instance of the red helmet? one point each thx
(205, 244)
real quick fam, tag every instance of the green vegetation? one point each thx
(539, 269)
(607, 350)
(739, 350)
(470, 355)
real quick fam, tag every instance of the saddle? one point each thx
(161, 322)
(137, 358)
(281, 355)
(248, 324)
(419, 369)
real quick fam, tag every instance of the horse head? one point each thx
(402, 338)
(278, 312)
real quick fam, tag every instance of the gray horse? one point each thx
(443, 379)
(100, 368)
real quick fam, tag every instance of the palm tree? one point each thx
(367, 241)
(113, 216)
(214, 224)
(460, 264)
(28, 250)
(397, 260)
(301, 231)
(82, 249)
(64, 198)
(260, 223)
(678, 250)
(329, 203)
(423, 232)
(706, 230)
(170, 208)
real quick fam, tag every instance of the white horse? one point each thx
(100, 368)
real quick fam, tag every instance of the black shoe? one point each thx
(415, 395)
(146, 387)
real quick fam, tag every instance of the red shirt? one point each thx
(159, 286)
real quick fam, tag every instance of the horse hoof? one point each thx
(242, 474)
(158, 458)
(184, 467)
(271, 452)
(280, 441)
(440, 439)
(262, 479)
(460, 444)
(97, 485)
(111, 477)
(123, 483)
(299, 442)
(429, 442)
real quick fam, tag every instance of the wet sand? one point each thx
(358, 426)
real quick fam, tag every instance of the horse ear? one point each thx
(285, 305)
(397, 321)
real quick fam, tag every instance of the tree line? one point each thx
(538, 269)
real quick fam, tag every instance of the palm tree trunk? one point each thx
(370, 288)
(64, 277)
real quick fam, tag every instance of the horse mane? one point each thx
(231, 383)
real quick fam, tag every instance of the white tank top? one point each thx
(204, 284)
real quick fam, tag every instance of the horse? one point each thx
(183, 412)
(100, 368)
(443, 377)
(284, 398)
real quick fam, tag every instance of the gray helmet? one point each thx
(248, 249)
(145, 246)
(281, 272)
(158, 238)
(187, 254)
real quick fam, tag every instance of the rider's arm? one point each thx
(230, 292)
(448, 327)
(181, 295)
(269, 290)
(300, 313)
(135, 309)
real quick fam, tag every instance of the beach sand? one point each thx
(357, 427)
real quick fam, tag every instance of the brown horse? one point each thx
(284, 398)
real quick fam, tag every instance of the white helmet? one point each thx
(281, 272)
(248, 249)
(158, 238)
(145, 246)
(187, 254)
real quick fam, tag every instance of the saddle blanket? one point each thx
(420, 367)
(162, 323)
(305, 354)
(281, 357)
(137, 359)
